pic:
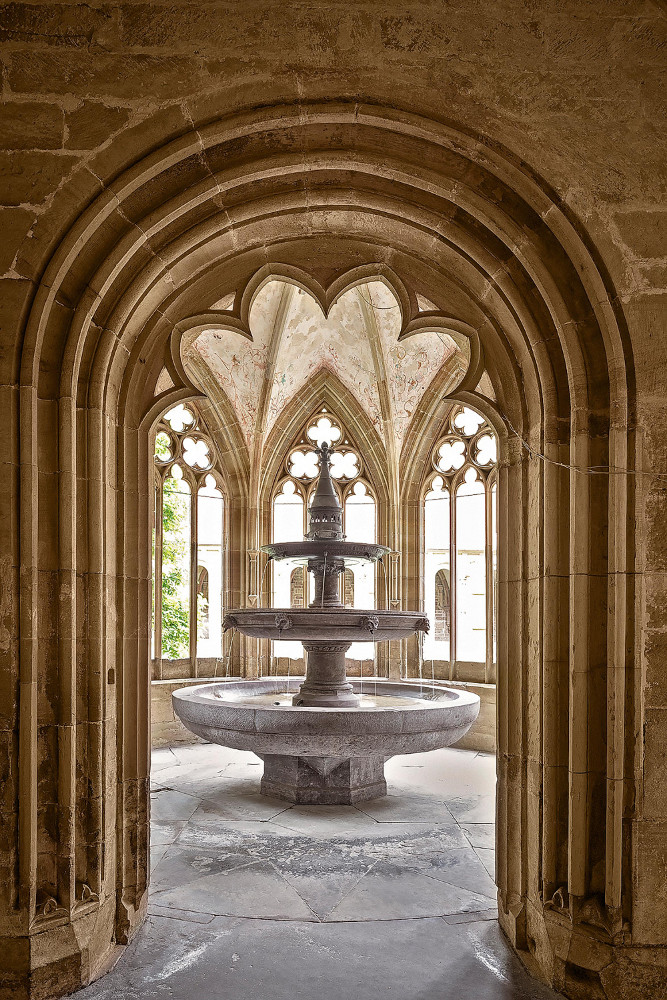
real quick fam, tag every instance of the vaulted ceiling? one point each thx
(358, 343)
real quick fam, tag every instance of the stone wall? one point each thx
(506, 162)
(166, 729)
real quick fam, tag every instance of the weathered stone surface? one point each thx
(15, 223)
(29, 125)
(650, 882)
(645, 233)
(92, 124)
(65, 24)
(128, 78)
(30, 177)
(655, 758)
(15, 298)
(509, 165)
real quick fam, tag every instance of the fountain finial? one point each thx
(325, 516)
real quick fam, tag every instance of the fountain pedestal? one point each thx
(323, 781)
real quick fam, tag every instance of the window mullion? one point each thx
(453, 588)
(490, 596)
(159, 528)
(194, 670)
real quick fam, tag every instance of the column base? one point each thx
(312, 696)
(325, 781)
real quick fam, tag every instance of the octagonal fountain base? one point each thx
(323, 781)
(326, 756)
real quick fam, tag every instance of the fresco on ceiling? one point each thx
(238, 364)
(412, 364)
(338, 344)
(341, 344)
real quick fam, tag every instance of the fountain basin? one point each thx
(330, 624)
(326, 755)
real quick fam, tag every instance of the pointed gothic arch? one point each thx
(154, 248)
(325, 389)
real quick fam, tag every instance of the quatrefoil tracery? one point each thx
(468, 445)
(184, 449)
(303, 462)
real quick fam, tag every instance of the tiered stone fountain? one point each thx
(326, 740)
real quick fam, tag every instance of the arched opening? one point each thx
(442, 617)
(459, 542)
(516, 287)
(188, 546)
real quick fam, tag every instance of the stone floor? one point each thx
(254, 899)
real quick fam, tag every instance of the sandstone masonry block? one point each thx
(55, 24)
(14, 225)
(649, 925)
(29, 125)
(644, 232)
(15, 297)
(127, 77)
(92, 124)
(655, 763)
(31, 177)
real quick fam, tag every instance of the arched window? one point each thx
(359, 526)
(460, 543)
(209, 535)
(176, 528)
(348, 588)
(298, 587)
(294, 490)
(442, 613)
(288, 525)
(187, 540)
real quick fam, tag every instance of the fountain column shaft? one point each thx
(326, 576)
(326, 685)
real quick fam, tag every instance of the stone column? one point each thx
(326, 683)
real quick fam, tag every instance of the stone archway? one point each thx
(325, 190)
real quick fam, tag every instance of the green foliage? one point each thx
(163, 446)
(175, 549)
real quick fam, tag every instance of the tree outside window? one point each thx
(187, 540)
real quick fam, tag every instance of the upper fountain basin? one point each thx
(334, 550)
(332, 624)
(393, 718)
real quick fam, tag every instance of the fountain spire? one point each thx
(325, 628)
(325, 516)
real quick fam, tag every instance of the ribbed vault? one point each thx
(331, 199)
(358, 342)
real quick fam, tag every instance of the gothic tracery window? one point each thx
(290, 503)
(187, 540)
(459, 541)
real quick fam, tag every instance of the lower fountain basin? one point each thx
(392, 718)
(329, 624)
